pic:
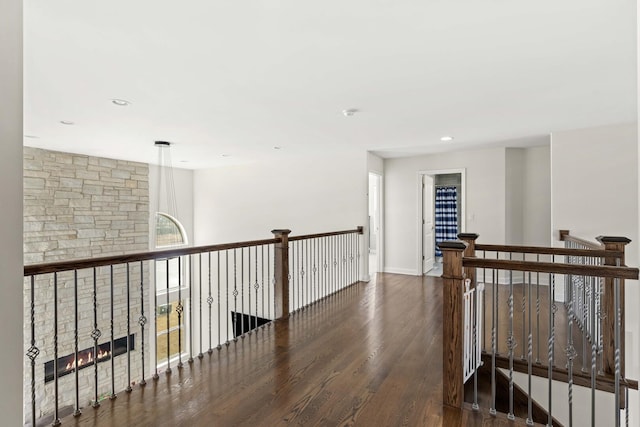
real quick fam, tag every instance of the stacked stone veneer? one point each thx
(75, 207)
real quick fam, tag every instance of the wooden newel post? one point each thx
(470, 251)
(281, 271)
(608, 306)
(452, 323)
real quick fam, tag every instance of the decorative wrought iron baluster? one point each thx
(511, 345)
(226, 269)
(523, 308)
(219, 346)
(128, 389)
(262, 277)
(33, 351)
(494, 340)
(616, 332)
(529, 360)
(155, 320)
(76, 367)
(249, 286)
(538, 314)
(200, 355)
(594, 353)
(257, 284)
(142, 321)
(235, 298)
(570, 350)
(190, 306)
(550, 345)
(242, 328)
(168, 370)
(56, 415)
(112, 330)
(179, 311)
(95, 334)
(209, 303)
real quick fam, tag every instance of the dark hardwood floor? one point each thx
(370, 355)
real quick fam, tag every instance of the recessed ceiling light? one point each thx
(121, 102)
(446, 138)
(349, 112)
(276, 147)
(226, 155)
(66, 122)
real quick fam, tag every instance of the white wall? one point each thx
(307, 196)
(11, 132)
(375, 164)
(485, 200)
(183, 182)
(536, 212)
(514, 197)
(594, 181)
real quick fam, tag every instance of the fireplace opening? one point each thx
(87, 357)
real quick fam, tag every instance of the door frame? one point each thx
(380, 234)
(419, 196)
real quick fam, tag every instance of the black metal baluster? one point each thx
(112, 346)
(235, 297)
(33, 351)
(262, 277)
(155, 319)
(219, 346)
(190, 306)
(210, 301)
(241, 312)
(168, 370)
(226, 318)
(128, 389)
(95, 334)
(257, 284)
(200, 355)
(357, 257)
(76, 366)
(249, 286)
(179, 310)
(142, 320)
(56, 417)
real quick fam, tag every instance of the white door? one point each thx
(428, 238)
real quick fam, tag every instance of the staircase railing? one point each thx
(531, 323)
(146, 313)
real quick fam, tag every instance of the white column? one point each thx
(12, 355)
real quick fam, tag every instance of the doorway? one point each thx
(441, 215)
(375, 223)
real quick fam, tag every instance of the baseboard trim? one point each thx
(405, 271)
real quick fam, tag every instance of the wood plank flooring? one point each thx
(370, 355)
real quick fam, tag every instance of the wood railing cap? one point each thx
(281, 231)
(468, 236)
(452, 245)
(613, 239)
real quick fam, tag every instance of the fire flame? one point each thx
(87, 359)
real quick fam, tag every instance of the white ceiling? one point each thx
(240, 77)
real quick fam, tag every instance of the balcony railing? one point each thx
(107, 325)
(556, 313)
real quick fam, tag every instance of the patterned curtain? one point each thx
(446, 215)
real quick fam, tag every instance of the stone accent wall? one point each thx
(75, 207)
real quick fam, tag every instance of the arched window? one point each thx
(169, 231)
(171, 286)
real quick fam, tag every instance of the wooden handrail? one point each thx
(359, 230)
(78, 264)
(595, 253)
(549, 267)
(56, 267)
(566, 237)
